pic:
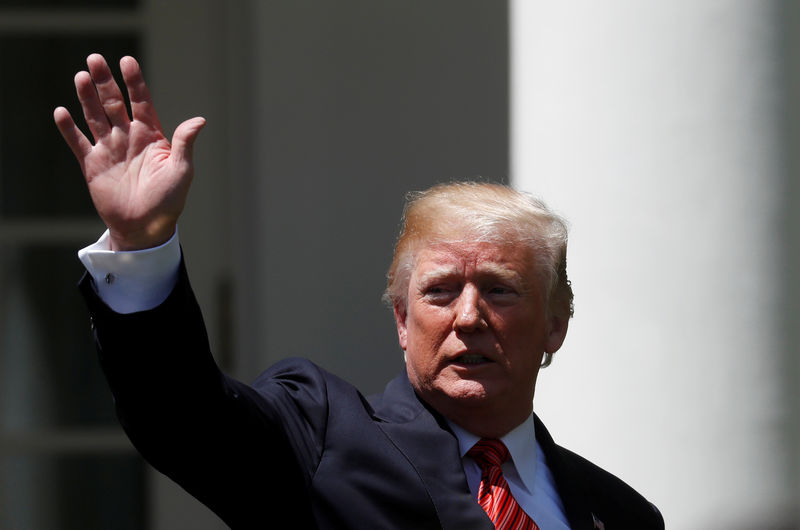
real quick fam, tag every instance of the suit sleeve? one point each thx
(238, 450)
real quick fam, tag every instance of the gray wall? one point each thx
(790, 222)
(353, 104)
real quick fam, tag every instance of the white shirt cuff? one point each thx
(136, 280)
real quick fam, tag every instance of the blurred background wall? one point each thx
(663, 132)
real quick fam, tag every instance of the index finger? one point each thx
(142, 106)
(75, 139)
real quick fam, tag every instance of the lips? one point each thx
(472, 359)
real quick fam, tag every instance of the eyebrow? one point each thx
(501, 272)
(440, 273)
(488, 269)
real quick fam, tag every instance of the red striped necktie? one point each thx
(494, 495)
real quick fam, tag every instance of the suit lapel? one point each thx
(423, 438)
(574, 498)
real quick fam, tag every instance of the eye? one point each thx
(502, 294)
(439, 294)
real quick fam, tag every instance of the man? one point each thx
(480, 296)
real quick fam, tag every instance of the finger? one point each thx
(184, 137)
(90, 103)
(108, 91)
(76, 140)
(141, 103)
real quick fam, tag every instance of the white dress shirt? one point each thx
(131, 281)
(526, 472)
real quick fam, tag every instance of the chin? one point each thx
(466, 392)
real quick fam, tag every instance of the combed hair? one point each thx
(483, 212)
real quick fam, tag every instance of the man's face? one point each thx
(475, 328)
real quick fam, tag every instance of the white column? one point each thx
(654, 127)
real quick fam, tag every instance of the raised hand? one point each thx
(137, 180)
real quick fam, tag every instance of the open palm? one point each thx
(137, 179)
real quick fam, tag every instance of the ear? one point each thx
(556, 333)
(400, 315)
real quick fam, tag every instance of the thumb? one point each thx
(183, 138)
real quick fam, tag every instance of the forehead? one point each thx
(465, 257)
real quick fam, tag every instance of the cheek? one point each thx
(528, 324)
(427, 330)
(420, 359)
(521, 341)
(428, 326)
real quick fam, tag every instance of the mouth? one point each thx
(472, 359)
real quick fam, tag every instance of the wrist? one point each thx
(142, 240)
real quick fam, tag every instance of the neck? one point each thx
(486, 423)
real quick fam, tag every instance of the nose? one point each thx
(469, 316)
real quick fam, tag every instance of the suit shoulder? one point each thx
(612, 500)
(299, 372)
(300, 384)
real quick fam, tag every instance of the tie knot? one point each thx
(489, 452)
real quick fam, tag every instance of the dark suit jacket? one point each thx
(301, 448)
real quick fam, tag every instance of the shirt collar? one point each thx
(521, 443)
